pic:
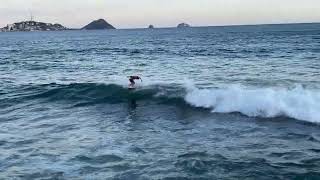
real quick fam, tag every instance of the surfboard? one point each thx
(131, 87)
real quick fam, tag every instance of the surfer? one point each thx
(131, 80)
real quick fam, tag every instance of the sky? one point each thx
(160, 13)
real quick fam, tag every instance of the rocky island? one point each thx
(32, 26)
(151, 26)
(41, 26)
(98, 24)
(183, 25)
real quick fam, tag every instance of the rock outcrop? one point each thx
(151, 27)
(98, 24)
(33, 26)
(183, 25)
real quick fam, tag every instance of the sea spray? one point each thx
(298, 103)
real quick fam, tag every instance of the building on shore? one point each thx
(32, 26)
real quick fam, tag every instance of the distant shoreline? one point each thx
(210, 26)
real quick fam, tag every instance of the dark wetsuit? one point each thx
(131, 81)
(132, 78)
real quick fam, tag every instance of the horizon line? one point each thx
(165, 27)
(227, 25)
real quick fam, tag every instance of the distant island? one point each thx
(98, 24)
(183, 25)
(32, 26)
(41, 26)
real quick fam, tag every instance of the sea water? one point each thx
(240, 102)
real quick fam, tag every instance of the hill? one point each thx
(98, 24)
(32, 26)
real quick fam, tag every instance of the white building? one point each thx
(11, 27)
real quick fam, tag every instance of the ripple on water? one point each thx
(25, 142)
(102, 159)
(197, 162)
(3, 142)
(137, 150)
(202, 164)
(47, 174)
(315, 150)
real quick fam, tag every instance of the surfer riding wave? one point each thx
(131, 80)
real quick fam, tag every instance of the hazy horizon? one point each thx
(161, 13)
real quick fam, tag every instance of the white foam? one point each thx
(298, 103)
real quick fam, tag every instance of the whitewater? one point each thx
(297, 103)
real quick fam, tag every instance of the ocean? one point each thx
(238, 102)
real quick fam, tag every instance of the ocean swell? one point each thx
(85, 94)
(298, 103)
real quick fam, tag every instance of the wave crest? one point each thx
(297, 103)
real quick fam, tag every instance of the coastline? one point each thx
(307, 25)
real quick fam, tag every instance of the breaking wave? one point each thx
(298, 103)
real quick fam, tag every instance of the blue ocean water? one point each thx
(239, 102)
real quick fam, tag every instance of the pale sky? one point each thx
(160, 13)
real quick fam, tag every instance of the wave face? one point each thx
(297, 103)
(85, 94)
